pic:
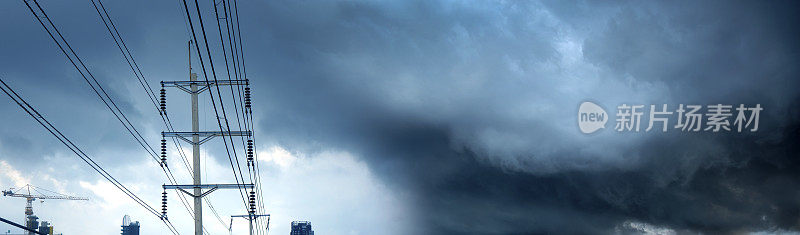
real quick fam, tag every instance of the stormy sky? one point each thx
(425, 117)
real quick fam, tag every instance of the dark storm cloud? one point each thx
(470, 107)
(32, 63)
(465, 106)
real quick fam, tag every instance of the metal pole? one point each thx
(251, 224)
(198, 203)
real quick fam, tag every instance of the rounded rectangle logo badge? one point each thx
(591, 117)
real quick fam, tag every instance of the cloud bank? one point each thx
(464, 112)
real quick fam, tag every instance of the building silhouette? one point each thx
(301, 228)
(45, 227)
(128, 227)
(32, 223)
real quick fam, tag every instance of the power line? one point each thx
(239, 29)
(151, 95)
(118, 112)
(213, 102)
(126, 53)
(131, 129)
(231, 42)
(249, 115)
(75, 149)
(225, 56)
(221, 103)
(21, 226)
(254, 171)
(246, 114)
(96, 85)
(139, 76)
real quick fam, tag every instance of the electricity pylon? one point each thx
(250, 217)
(25, 192)
(194, 88)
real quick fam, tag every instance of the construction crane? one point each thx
(25, 192)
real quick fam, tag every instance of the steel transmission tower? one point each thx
(194, 87)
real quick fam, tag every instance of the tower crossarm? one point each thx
(206, 135)
(201, 85)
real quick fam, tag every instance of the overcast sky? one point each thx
(423, 117)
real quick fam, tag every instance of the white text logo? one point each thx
(591, 117)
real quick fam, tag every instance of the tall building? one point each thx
(32, 223)
(45, 227)
(301, 228)
(128, 227)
